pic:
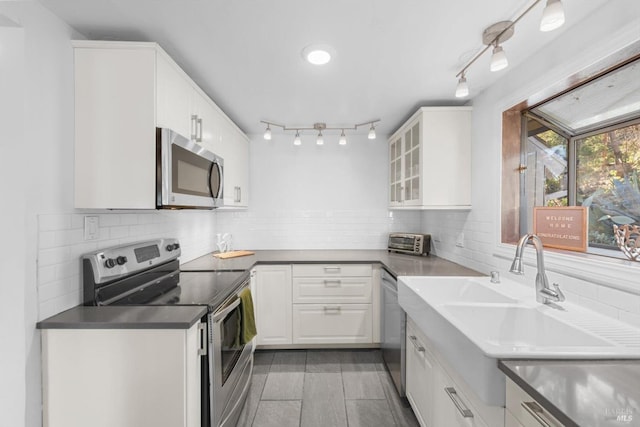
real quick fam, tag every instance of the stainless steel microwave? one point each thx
(188, 176)
(409, 243)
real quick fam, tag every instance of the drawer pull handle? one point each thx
(536, 412)
(332, 310)
(462, 408)
(332, 283)
(332, 269)
(414, 341)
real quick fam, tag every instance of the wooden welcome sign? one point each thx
(561, 227)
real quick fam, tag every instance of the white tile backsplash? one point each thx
(61, 244)
(303, 229)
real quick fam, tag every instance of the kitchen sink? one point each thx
(472, 323)
(457, 289)
(508, 330)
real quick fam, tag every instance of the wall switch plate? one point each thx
(460, 240)
(91, 224)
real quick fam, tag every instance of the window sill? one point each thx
(613, 272)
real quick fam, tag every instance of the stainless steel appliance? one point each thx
(409, 243)
(147, 273)
(393, 330)
(187, 175)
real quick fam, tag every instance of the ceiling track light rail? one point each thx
(498, 33)
(320, 127)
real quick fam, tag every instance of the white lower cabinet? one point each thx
(437, 396)
(273, 304)
(419, 385)
(332, 323)
(452, 408)
(332, 304)
(302, 305)
(121, 377)
(524, 411)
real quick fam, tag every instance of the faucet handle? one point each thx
(559, 292)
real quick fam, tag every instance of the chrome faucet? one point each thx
(544, 294)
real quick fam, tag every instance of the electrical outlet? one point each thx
(460, 240)
(91, 225)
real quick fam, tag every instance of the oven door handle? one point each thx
(222, 313)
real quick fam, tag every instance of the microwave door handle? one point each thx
(215, 168)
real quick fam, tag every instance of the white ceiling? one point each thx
(391, 55)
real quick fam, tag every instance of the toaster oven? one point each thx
(409, 243)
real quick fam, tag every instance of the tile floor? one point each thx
(324, 388)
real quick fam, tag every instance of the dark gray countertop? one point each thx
(183, 317)
(126, 317)
(582, 393)
(397, 264)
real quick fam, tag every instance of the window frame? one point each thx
(572, 165)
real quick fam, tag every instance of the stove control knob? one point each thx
(110, 263)
(169, 248)
(121, 260)
(176, 246)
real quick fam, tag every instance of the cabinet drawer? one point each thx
(332, 290)
(332, 323)
(322, 270)
(525, 409)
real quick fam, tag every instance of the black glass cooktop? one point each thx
(193, 288)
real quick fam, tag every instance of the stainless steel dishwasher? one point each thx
(393, 328)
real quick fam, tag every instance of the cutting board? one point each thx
(232, 254)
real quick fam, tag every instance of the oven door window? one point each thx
(190, 173)
(231, 350)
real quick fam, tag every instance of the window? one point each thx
(582, 148)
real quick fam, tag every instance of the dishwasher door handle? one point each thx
(389, 287)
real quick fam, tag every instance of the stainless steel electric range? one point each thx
(148, 273)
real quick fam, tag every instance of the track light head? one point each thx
(297, 140)
(267, 133)
(462, 90)
(498, 59)
(343, 138)
(552, 16)
(372, 132)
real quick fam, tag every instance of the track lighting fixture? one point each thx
(496, 34)
(320, 128)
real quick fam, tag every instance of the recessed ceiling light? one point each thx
(317, 54)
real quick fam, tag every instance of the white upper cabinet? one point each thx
(174, 99)
(430, 160)
(235, 152)
(123, 91)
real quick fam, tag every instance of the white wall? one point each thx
(317, 197)
(42, 233)
(608, 286)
